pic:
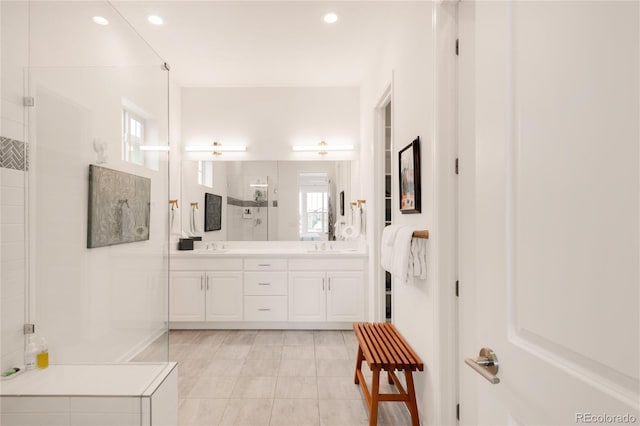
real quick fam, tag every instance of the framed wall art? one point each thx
(409, 170)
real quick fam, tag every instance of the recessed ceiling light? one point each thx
(330, 18)
(100, 20)
(155, 19)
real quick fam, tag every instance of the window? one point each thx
(205, 173)
(132, 138)
(314, 206)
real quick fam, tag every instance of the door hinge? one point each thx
(165, 67)
(457, 411)
(29, 328)
(457, 166)
(457, 47)
(457, 288)
(28, 101)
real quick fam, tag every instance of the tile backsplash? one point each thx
(14, 154)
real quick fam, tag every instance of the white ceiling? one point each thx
(263, 43)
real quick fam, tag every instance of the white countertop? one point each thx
(130, 379)
(261, 252)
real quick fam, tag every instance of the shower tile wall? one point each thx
(13, 162)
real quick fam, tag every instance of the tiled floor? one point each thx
(267, 377)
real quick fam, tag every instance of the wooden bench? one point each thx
(382, 346)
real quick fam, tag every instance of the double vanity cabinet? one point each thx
(256, 290)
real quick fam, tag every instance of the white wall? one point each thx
(408, 63)
(270, 120)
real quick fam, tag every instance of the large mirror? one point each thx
(268, 200)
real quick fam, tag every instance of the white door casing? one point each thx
(549, 209)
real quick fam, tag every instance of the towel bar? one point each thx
(421, 234)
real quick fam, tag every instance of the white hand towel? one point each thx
(402, 253)
(419, 257)
(386, 248)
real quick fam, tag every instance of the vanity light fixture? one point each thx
(217, 148)
(323, 148)
(259, 185)
(155, 148)
(330, 18)
(100, 20)
(155, 19)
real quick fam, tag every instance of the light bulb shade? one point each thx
(155, 148)
(321, 148)
(217, 148)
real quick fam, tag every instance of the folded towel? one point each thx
(419, 258)
(386, 248)
(402, 253)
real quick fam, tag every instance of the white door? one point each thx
(345, 298)
(307, 296)
(186, 301)
(549, 210)
(224, 296)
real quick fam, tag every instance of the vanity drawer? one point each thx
(265, 283)
(326, 264)
(206, 264)
(265, 308)
(265, 264)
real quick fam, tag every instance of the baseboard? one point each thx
(141, 346)
(259, 325)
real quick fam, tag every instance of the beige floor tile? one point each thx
(232, 352)
(331, 352)
(295, 412)
(183, 336)
(269, 337)
(254, 387)
(201, 412)
(335, 367)
(297, 368)
(185, 384)
(298, 337)
(297, 387)
(247, 412)
(213, 387)
(298, 352)
(338, 388)
(223, 368)
(393, 414)
(343, 413)
(352, 349)
(241, 337)
(192, 367)
(265, 352)
(260, 368)
(194, 351)
(212, 337)
(327, 337)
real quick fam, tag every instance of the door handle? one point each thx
(207, 282)
(264, 309)
(264, 264)
(264, 283)
(201, 283)
(329, 286)
(323, 284)
(486, 364)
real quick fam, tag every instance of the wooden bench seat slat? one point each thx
(389, 360)
(389, 349)
(373, 358)
(409, 361)
(416, 359)
(400, 355)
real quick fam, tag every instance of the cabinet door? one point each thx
(307, 296)
(345, 296)
(186, 296)
(224, 296)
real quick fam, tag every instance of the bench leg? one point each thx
(375, 394)
(358, 365)
(412, 405)
(389, 379)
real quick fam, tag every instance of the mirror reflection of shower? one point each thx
(248, 207)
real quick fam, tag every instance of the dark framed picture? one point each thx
(212, 212)
(409, 170)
